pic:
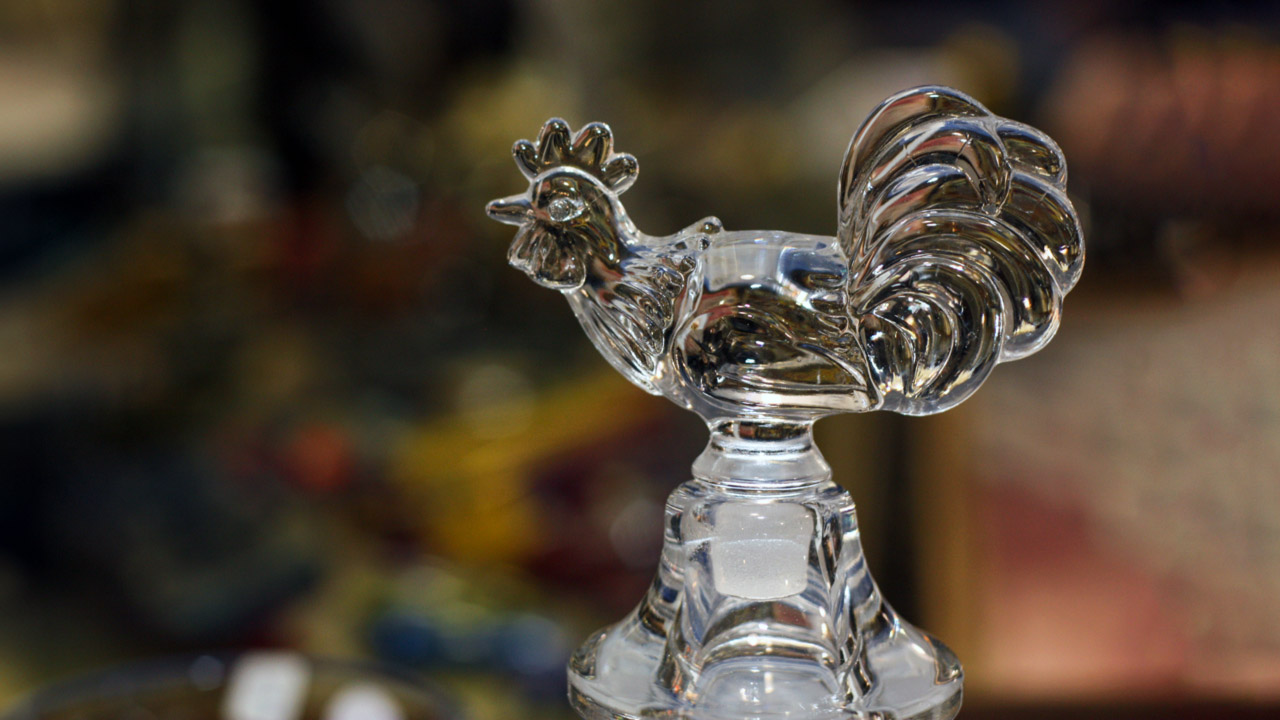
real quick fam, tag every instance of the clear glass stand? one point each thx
(763, 606)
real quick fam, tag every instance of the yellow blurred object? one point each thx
(12, 683)
(471, 482)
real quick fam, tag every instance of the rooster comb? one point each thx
(591, 151)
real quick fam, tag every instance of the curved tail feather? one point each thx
(962, 244)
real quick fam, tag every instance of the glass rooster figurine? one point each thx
(955, 246)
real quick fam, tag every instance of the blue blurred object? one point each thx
(405, 638)
(530, 648)
(535, 650)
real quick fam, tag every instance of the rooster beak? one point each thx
(514, 210)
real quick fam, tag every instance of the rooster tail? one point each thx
(962, 244)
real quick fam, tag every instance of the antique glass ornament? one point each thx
(955, 246)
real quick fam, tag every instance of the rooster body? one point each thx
(955, 246)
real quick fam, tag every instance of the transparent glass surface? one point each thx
(955, 246)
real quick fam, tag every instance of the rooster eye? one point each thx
(563, 209)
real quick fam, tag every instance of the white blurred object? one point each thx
(57, 116)
(267, 686)
(363, 701)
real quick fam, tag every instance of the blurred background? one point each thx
(267, 381)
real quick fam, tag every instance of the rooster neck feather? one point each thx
(630, 304)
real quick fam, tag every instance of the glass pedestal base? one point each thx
(763, 608)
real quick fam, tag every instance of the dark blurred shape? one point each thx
(1176, 128)
(153, 532)
(253, 685)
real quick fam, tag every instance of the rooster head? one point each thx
(571, 211)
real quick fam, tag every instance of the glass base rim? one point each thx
(943, 704)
